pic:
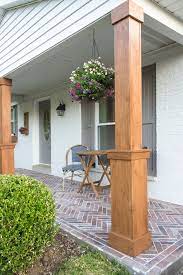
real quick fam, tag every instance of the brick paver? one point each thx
(89, 219)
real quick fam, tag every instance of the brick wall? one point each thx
(169, 102)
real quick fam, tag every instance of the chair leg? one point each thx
(63, 182)
(72, 176)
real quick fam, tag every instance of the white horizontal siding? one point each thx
(9, 4)
(29, 31)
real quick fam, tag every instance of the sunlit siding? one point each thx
(29, 31)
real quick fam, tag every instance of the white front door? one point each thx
(44, 132)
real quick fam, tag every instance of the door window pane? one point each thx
(106, 110)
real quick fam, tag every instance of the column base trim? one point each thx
(129, 246)
(7, 158)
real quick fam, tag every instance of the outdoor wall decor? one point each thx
(25, 129)
(46, 124)
(92, 81)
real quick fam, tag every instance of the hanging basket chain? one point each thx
(93, 80)
(95, 48)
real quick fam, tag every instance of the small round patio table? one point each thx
(88, 159)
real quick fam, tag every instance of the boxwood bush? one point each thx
(27, 221)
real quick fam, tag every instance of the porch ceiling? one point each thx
(52, 68)
(175, 7)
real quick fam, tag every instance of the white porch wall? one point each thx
(23, 148)
(65, 132)
(169, 83)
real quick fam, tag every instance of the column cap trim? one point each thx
(127, 9)
(7, 146)
(5, 81)
(129, 154)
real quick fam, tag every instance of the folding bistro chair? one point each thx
(75, 168)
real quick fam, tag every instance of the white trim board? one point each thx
(8, 4)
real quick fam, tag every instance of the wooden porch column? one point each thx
(6, 147)
(129, 232)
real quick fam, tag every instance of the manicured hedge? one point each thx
(27, 221)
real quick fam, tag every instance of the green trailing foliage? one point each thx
(27, 221)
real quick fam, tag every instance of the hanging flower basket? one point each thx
(92, 81)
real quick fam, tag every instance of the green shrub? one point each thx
(27, 221)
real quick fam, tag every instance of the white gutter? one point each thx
(8, 4)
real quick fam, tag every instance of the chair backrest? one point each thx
(74, 150)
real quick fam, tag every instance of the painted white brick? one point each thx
(169, 98)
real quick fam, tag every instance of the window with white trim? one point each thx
(14, 120)
(106, 124)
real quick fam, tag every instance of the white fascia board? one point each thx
(7, 4)
(162, 21)
(2, 12)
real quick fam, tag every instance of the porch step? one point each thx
(42, 168)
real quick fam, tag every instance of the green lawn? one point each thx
(91, 263)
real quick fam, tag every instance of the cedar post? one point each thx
(6, 147)
(129, 232)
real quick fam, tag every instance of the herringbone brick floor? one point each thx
(89, 219)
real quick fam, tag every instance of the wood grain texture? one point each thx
(127, 9)
(5, 111)
(6, 146)
(93, 152)
(87, 166)
(7, 159)
(129, 232)
(129, 202)
(128, 84)
(129, 155)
